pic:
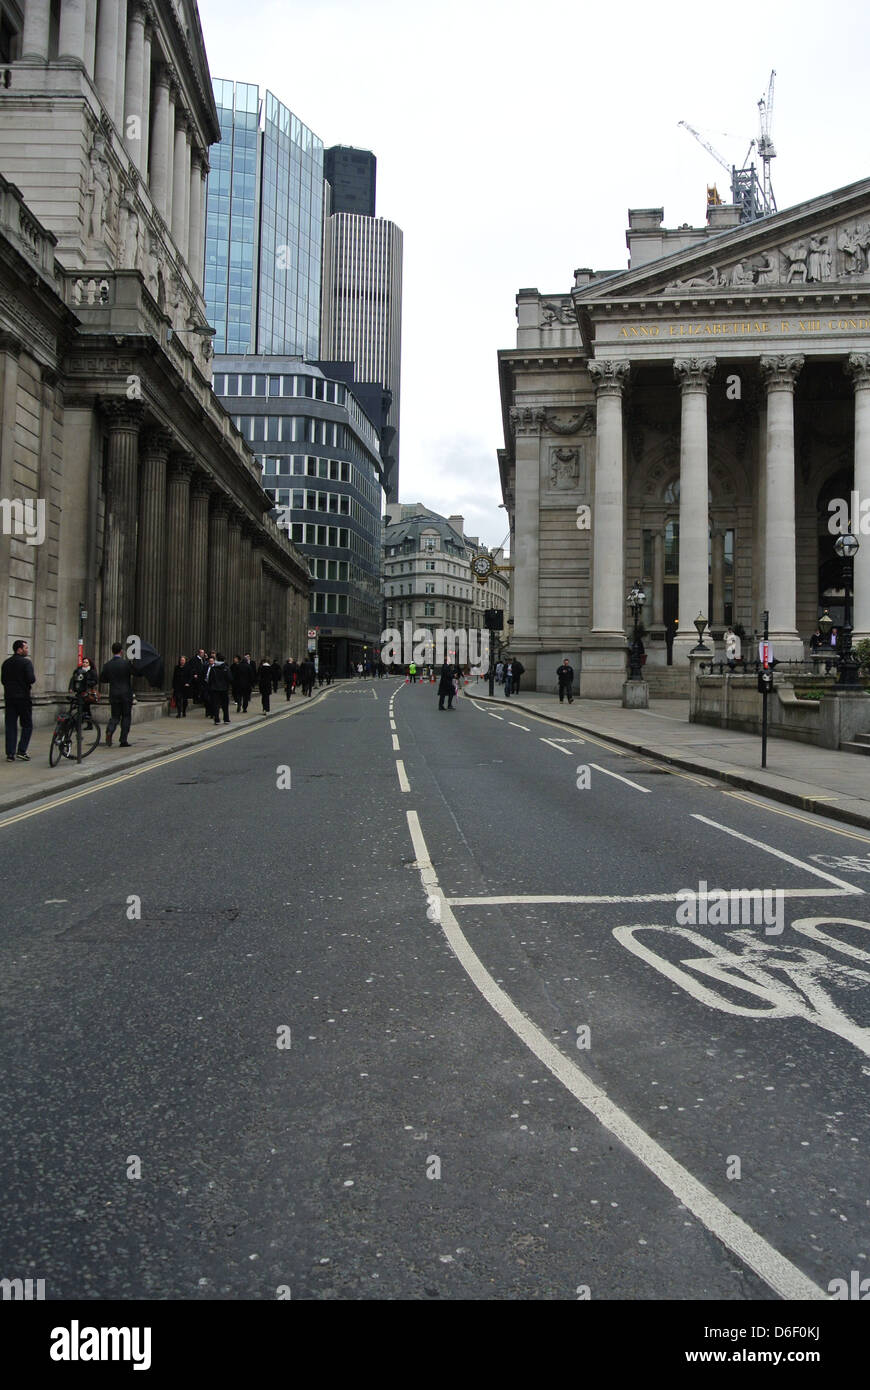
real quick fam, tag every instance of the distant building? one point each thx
(427, 574)
(320, 455)
(352, 177)
(362, 312)
(264, 227)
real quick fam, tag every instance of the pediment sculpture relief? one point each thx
(559, 311)
(830, 254)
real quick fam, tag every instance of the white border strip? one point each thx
(781, 854)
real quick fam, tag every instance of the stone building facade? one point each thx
(689, 422)
(155, 517)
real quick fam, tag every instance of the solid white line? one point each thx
(776, 1271)
(495, 716)
(558, 747)
(619, 777)
(395, 743)
(404, 784)
(526, 899)
(780, 854)
(518, 726)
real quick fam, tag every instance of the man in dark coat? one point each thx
(517, 670)
(117, 674)
(181, 686)
(565, 676)
(17, 677)
(218, 681)
(264, 680)
(244, 675)
(275, 668)
(291, 675)
(445, 686)
(306, 675)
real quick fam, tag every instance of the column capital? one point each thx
(202, 484)
(609, 376)
(122, 414)
(857, 366)
(162, 75)
(236, 515)
(10, 344)
(181, 466)
(220, 504)
(138, 11)
(526, 419)
(157, 441)
(694, 374)
(781, 371)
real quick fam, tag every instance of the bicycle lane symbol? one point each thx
(746, 966)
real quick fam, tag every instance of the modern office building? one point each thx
(321, 462)
(264, 227)
(428, 579)
(130, 496)
(362, 312)
(352, 178)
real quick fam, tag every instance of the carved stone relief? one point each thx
(830, 254)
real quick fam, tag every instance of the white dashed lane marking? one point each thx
(619, 777)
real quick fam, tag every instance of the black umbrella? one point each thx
(150, 665)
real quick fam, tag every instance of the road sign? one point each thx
(312, 632)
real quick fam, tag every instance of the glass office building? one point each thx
(321, 462)
(264, 227)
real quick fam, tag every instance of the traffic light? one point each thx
(493, 619)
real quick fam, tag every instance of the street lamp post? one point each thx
(700, 625)
(847, 547)
(635, 600)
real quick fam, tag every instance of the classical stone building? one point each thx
(687, 423)
(155, 517)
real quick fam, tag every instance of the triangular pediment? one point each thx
(823, 243)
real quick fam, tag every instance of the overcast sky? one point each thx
(511, 139)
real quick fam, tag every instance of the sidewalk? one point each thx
(21, 783)
(815, 779)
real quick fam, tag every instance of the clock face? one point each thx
(481, 565)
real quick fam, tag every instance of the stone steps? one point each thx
(860, 744)
(667, 682)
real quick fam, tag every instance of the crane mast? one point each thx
(752, 195)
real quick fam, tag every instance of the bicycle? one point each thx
(64, 742)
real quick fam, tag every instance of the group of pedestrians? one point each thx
(509, 674)
(206, 679)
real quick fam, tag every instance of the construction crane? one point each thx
(754, 198)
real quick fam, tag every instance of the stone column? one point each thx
(159, 158)
(44, 649)
(780, 374)
(858, 368)
(195, 231)
(71, 39)
(178, 529)
(146, 96)
(150, 570)
(235, 584)
(124, 419)
(90, 37)
(170, 149)
(658, 579)
(527, 423)
(34, 40)
(257, 633)
(694, 375)
(180, 183)
(121, 64)
(194, 633)
(134, 102)
(10, 351)
(717, 617)
(218, 540)
(106, 62)
(608, 521)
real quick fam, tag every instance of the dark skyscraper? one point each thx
(352, 175)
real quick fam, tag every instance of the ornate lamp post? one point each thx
(635, 600)
(700, 624)
(847, 547)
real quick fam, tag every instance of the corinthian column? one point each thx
(608, 523)
(235, 584)
(858, 368)
(194, 633)
(218, 540)
(150, 579)
(780, 374)
(527, 423)
(180, 184)
(160, 142)
(121, 63)
(177, 543)
(106, 62)
(694, 375)
(90, 37)
(124, 420)
(71, 39)
(194, 233)
(134, 102)
(34, 41)
(146, 94)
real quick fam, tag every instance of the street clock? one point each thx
(482, 567)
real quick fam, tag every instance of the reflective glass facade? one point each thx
(264, 227)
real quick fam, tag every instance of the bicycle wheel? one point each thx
(59, 745)
(91, 734)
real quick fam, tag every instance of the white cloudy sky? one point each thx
(512, 136)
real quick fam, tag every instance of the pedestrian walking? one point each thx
(499, 672)
(219, 688)
(507, 677)
(264, 680)
(181, 683)
(244, 682)
(306, 676)
(84, 682)
(517, 670)
(17, 677)
(276, 674)
(291, 676)
(565, 676)
(446, 686)
(117, 673)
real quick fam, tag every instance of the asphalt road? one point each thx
(515, 1069)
